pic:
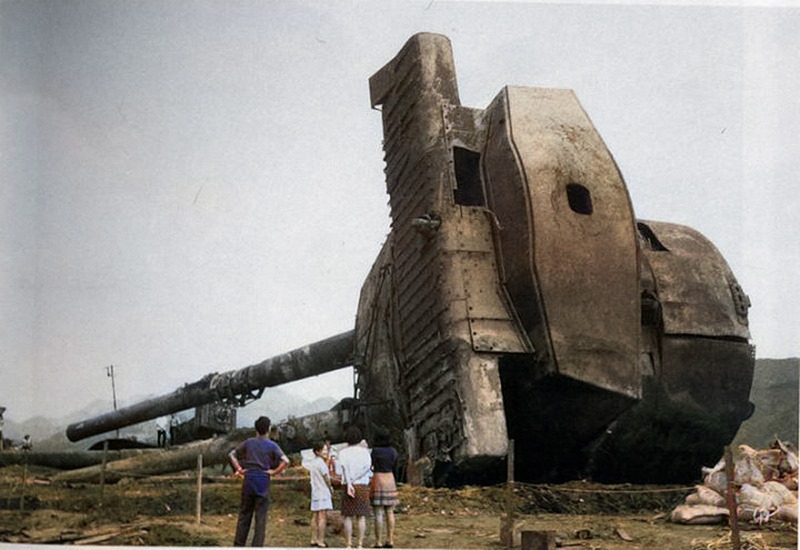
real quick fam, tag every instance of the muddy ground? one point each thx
(161, 511)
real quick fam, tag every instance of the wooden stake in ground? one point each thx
(24, 481)
(199, 502)
(103, 470)
(507, 523)
(733, 519)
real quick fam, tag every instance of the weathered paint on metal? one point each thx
(517, 296)
(570, 262)
(699, 294)
(233, 386)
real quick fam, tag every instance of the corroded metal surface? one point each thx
(234, 387)
(517, 297)
(567, 237)
(697, 290)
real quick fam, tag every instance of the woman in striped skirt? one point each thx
(384, 489)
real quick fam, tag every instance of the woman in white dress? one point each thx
(321, 495)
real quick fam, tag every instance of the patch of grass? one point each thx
(174, 535)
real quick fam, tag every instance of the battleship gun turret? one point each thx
(518, 297)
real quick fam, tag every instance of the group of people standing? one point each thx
(163, 424)
(368, 482)
(366, 477)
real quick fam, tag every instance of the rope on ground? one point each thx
(611, 491)
(556, 487)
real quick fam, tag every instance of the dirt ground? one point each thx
(161, 511)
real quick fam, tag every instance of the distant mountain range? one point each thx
(279, 405)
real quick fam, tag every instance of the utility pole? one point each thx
(110, 373)
(2, 422)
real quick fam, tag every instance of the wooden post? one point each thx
(103, 470)
(2, 423)
(24, 481)
(733, 519)
(199, 501)
(507, 524)
(539, 540)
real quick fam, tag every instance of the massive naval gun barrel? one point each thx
(235, 387)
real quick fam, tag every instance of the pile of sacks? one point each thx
(765, 484)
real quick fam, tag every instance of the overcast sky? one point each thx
(190, 187)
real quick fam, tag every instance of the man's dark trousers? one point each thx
(252, 503)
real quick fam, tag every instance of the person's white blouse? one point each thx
(354, 464)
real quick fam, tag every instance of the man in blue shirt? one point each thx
(256, 459)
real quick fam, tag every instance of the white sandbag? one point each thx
(769, 461)
(747, 469)
(699, 514)
(716, 481)
(789, 462)
(714, 478)
(779, 492)
(752, 497)
(705, 495)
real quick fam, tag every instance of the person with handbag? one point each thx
(354, 464)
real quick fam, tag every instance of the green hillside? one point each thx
(775, 395)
